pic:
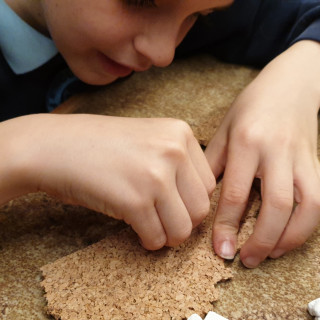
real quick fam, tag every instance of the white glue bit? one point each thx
(314, 308)
(194, 317)
(214, 316)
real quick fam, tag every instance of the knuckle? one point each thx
(180, 235)
(175, 150)
(296, 240)
(254, 135)
(157, 177)
(264, 245)
(281, 201)
(223, 224)
(211, 184)
(183, 127)
(201, 212)
(137, 204)
(249, 136)
(179, 126)
(234, 196)
(182, 130)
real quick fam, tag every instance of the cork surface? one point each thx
(118, 279)
(36, 230)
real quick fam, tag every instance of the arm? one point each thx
(151, 173)
(270, 132)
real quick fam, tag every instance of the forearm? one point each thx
(300, 67)
(17, 169)
(94, 160)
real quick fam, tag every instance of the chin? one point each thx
(93, 77)
(96, 78)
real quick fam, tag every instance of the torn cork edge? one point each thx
(117, 279)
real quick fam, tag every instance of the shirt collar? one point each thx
(23, 47)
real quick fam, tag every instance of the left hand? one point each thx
(270, 132)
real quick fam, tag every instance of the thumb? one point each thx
(216, 154)
(224, 237)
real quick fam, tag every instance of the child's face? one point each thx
(103, 40)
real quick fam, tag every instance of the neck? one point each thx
(31, 12)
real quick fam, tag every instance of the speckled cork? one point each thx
(118, 279)
(37, 230)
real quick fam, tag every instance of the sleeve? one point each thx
(253, 32)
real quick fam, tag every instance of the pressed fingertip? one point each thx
(227, 250)
(251, 262)
(156, 245)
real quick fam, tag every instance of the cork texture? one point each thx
(118, 279)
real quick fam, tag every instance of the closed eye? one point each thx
(141, 3)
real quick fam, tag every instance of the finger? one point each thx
(216, 153)
(277, 203)
(148, 226)
(173, 215)
(306, 215)
(201, 165)
(236, 185)
(193, 192)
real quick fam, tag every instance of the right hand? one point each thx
(151, 173)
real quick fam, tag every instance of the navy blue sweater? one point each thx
(250, 32)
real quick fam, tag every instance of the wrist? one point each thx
(293, 76)
(301, 62)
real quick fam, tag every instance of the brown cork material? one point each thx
(117, 279)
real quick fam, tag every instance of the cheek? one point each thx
(185, 27)
(75, 27)
(80, 34)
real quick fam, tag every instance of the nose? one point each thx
(157, 44)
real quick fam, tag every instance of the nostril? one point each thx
(158, 51)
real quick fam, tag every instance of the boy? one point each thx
(157, 163)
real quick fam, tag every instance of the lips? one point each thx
(112, 67)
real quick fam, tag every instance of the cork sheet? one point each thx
(117, 279)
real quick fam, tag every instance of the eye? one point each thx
(141, 3)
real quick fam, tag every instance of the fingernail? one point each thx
(251, 262)
(276, 253)
(227, 250)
